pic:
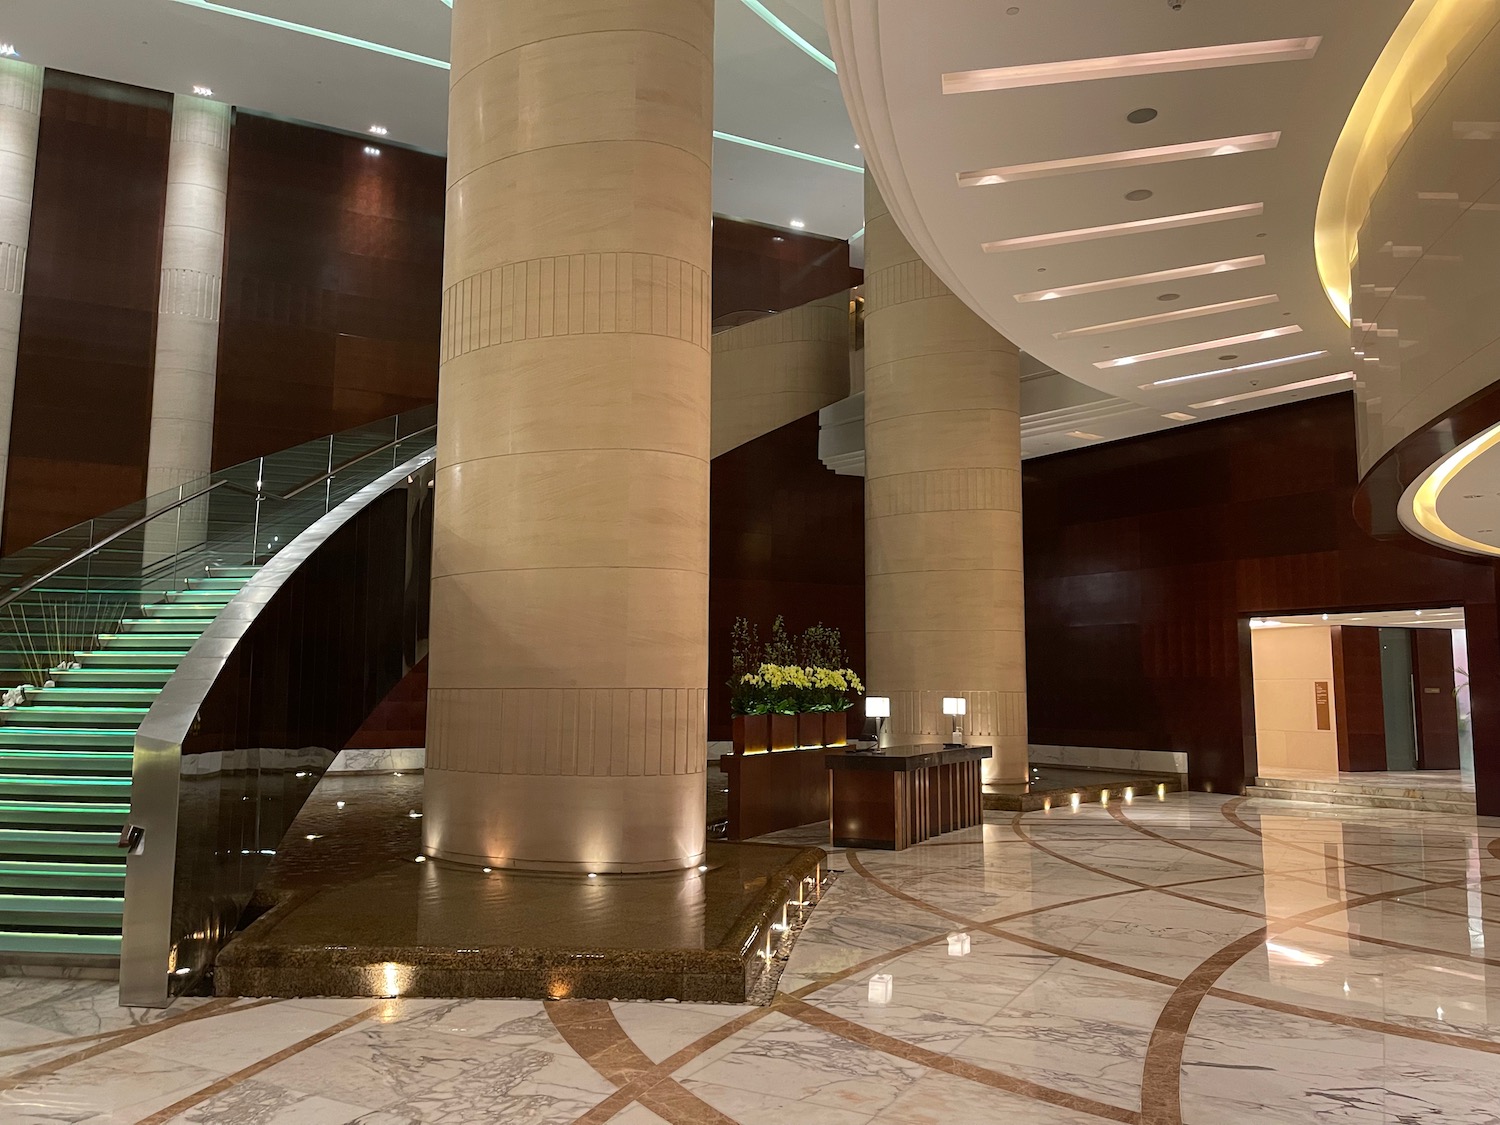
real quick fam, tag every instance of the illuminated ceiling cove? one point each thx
(783, 150)
(1127, 191)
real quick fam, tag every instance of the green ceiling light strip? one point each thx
(791, 36)
(779, 151)
(315, 32)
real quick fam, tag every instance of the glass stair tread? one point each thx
(57, 738)
(104, 945)
(53, 761)
(60, 904)
(22, 876)
(52, 786)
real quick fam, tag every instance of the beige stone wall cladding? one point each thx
(20, 118)
(778, 369)
(943, 565)
(569, 662)
(192, 278)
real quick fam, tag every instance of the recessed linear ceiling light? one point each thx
(379, 130)
(1113, 230)
(1083, 435)
(1168, 317)
(1202, 346)
(1130, 158)
(1285, 361)
(1179, 416)
(1273, 390)
(1204, 269)
(315, 32)
(203, 91)
(788, 34)
(1120, 66)
(8, 51)
(766, 147)
(796, 224)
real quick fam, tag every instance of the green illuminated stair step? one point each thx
(98, 945)
(193, 612)
(50, 875)
(49, 787)
(181, 626)
(159, 642)
(232, 584)
(45, 814)
(126, 678)
(191, 597)
(99, 763)
(40, 842)
(12, 737)
(127, 658)
(240, 572)
(83, 715)
(65, 695)
(60, 910)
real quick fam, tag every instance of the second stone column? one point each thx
(944, 597)
(566, 721)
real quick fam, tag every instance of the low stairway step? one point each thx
(142, 677)
(48, 738)
(65, 694)
(233, 585)
(69, 787)
(63, 814)
(40, 843)
(240, 572)
(99, 659)
(82, 715)
(179, 626)
(45, 876)
(97, 763)
(99, 945)
(1333, 798)
(95, 912)
(178, 642)
(182, 611)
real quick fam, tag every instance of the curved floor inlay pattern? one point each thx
(1189, 961)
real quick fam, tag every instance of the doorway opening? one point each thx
(1373, 703)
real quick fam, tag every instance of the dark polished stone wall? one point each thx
(786, 536)
(760, 269)
(333, 280)
(82, 418)
(1145, 559)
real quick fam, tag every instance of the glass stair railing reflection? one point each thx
(93, 623)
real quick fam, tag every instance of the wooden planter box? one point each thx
(783, 732)
(810, 729)
(835, 728)
(752, 734)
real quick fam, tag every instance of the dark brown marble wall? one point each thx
(1359, 698)
(82, 417)
(786, 536)
(332, 286)
(1145, 557)
(760, 269)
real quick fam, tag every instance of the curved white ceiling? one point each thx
(767, 89)
(1169, 264)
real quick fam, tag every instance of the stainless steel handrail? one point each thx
(83, 553)
(52, 572)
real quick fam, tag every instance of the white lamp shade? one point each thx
(880, 988)
(877, 707)
(958, 945)
(955, 705)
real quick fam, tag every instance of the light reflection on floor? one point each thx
(1190, 960)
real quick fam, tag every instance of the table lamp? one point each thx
(958, 707)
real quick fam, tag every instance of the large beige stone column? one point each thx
(20, 118)
(192, 277)
(943, 585)
(569, 660)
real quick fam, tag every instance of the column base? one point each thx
(563, 824)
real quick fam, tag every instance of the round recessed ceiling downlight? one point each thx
(1012, 11)
(1227, 357)
(1139, 194)
(1169, 297)
(1141, 116)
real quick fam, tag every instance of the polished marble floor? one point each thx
(1190, 960)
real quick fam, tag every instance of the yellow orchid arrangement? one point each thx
(787, 677)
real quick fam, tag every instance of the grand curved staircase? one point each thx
(94, 624)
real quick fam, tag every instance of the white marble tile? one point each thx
(234, 1040)
(636, 1114)
(119, 1086)
(661, 1030)
(259, 1103)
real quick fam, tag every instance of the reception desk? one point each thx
(901, 795)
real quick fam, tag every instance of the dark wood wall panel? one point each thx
(760, 269)
(332, 286)
(1144, 557)
(786, 536)
(82, 419)
(1359, 698)
(1435, 700)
